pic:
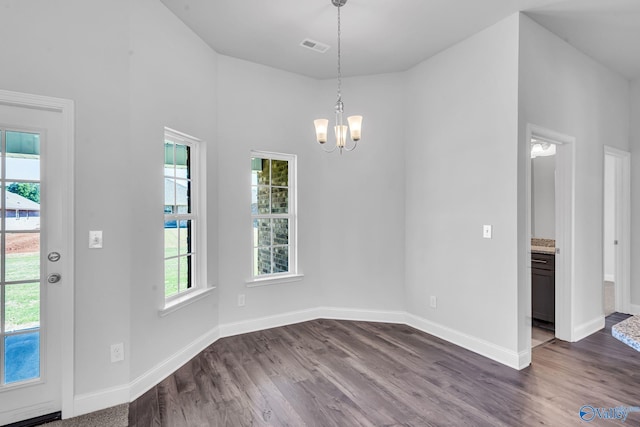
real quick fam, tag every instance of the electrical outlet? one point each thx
(240, 300)
(433, 302)
(487, 230)
(117, 352)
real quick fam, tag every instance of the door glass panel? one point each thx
(20, 264)
(22, 356)
(22, 206)
(22, 256)
(22, 155)
(22, 307)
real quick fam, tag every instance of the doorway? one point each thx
(564, 219)
(616, 231)
(36, 256)
(543, 240)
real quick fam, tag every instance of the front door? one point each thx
(34, 259)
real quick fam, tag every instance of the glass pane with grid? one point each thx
(179, 218)
(270, 211)
(20, 266)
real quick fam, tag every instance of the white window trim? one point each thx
(293, 274)
(199, 288)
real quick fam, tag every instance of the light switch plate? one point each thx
(486, 231)
(95, 239)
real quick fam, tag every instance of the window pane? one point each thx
(264, 206)
(279, 200)
(183, 160)
(185, 236)
(22, 256)
(169, 195)
(280, 173)
(254, 200)
(171, 239)
(260, 171)
(263, 261)
(281, 231)
(182, 191)
(185, 272)
(22, 357)
(22, 206)
(170, 277)
(22, 306)
(261, 232)
(281, 259)
(23, 155)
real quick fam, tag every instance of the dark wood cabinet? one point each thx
(543, 287)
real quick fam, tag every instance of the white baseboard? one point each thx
(102, 399)
(634, 308)
(261, 323)
(587, 328)
(477, 345)
(362, 315)
(162, 370)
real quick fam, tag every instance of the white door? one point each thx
(35, 258)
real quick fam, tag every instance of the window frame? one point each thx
(198, 215)
(292, 215)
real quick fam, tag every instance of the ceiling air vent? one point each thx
(314, 45)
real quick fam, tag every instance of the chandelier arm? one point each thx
(335, 147)
(355, 145)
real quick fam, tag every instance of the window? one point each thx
(184, 229)
(273, 212)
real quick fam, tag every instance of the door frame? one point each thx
(67, 110)
(622, 219)
(565, 220)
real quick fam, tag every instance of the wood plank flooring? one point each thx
(345, 373)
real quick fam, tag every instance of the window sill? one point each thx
(184, 300)
(251, 283)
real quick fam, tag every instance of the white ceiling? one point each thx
(380, 36)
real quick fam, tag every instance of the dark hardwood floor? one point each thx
(344, 373)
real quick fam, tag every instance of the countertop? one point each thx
(543, 250)
(543, 246)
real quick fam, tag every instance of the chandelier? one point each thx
(340, 128)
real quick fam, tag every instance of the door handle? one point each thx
(54, 278)
(53, 256)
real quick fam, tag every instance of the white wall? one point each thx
(79, 50)
(635, 194)
(543, 197)
(564, 90)
(461, 173)
(173, 84)
(265, 109)
(363, 197)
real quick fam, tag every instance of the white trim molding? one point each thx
(622, 222)
(565, 223)
(587, 328)
(102, 399)
(484, 348)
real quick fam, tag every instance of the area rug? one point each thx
(628, 331)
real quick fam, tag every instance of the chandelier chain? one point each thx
(339, 55)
